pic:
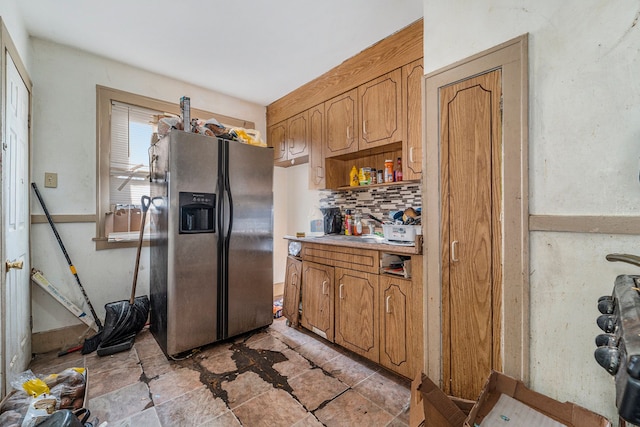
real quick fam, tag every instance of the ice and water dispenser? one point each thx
(197, 213)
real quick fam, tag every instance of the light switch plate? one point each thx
(50, 179)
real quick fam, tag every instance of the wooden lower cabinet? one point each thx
(378, 316)
(357, 305)
(291, 297)
(317, 299)
(395, 334)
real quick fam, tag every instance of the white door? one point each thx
(16, 291)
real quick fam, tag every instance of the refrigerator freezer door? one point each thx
(249, 276)
(192, 264)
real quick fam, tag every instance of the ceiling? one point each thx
(256, 50)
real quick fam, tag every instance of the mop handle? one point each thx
(66, 255)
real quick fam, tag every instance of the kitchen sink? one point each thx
(366, 238)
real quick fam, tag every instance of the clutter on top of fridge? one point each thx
(211, 127)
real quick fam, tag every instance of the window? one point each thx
(125, 126)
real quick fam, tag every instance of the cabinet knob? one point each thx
(386, 304)
(341, 286)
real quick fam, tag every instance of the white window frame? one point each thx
(104, 99)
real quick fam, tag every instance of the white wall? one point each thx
(17, 31)
(293, 209)
(64, 141)
(584, 152)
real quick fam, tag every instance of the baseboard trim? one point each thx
(60, 339)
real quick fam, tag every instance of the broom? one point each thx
(90, 344)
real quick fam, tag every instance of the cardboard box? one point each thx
(431, 407)
(565, 412)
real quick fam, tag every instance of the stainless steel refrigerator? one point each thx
(211, 251)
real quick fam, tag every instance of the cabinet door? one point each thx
(395, 308)
(317, 299)
(316, 155)
(291, 298)
(298, 136)
(412, 103)
(340, 125)
(380, 110)
(277, 140)
(357, 320)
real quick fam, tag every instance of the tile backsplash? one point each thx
(378, 201)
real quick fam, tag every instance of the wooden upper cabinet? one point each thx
(278, 140)
(412, 75)
(316, 153)
(290, 140)
(341, 128)
(380, 111)
(298, 135)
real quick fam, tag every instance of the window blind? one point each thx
(131, 130)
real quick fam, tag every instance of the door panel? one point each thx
(317, 299)
(340, 121)
(357, 319)
(470, 134)
(15, 202)
(291, 299)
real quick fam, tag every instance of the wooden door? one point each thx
(291, 297)
(412, 103)
(357, 320)
(277, 140)
(316, 142)
(298, 135)
(317, 299)
(395, 341)
(16, 283)
(380, 108)
(471, 142)
(341, 131)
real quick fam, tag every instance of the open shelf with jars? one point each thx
(338, 168)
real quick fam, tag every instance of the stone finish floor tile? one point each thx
(387, 391)
(173, 384)
(275, 376)
(353, 409)
(294, 365)
(314, 387)
(120, 404)
(191, 409)
(244, 387)
(273, 408)
(350, 370)
(146, 418)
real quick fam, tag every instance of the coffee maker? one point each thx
(332, 220)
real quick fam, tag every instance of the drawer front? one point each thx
(342, 256)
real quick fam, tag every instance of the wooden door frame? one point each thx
(512, 58)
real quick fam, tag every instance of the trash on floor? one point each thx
(277, 308)
(36, 397)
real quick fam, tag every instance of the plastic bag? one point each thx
(28, 382)
(249, 136)
(39, 409)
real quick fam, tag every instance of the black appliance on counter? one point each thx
(332, 220)
(619, 347)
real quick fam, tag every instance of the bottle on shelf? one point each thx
(353, 177)
(398, 171)
(388, 171)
